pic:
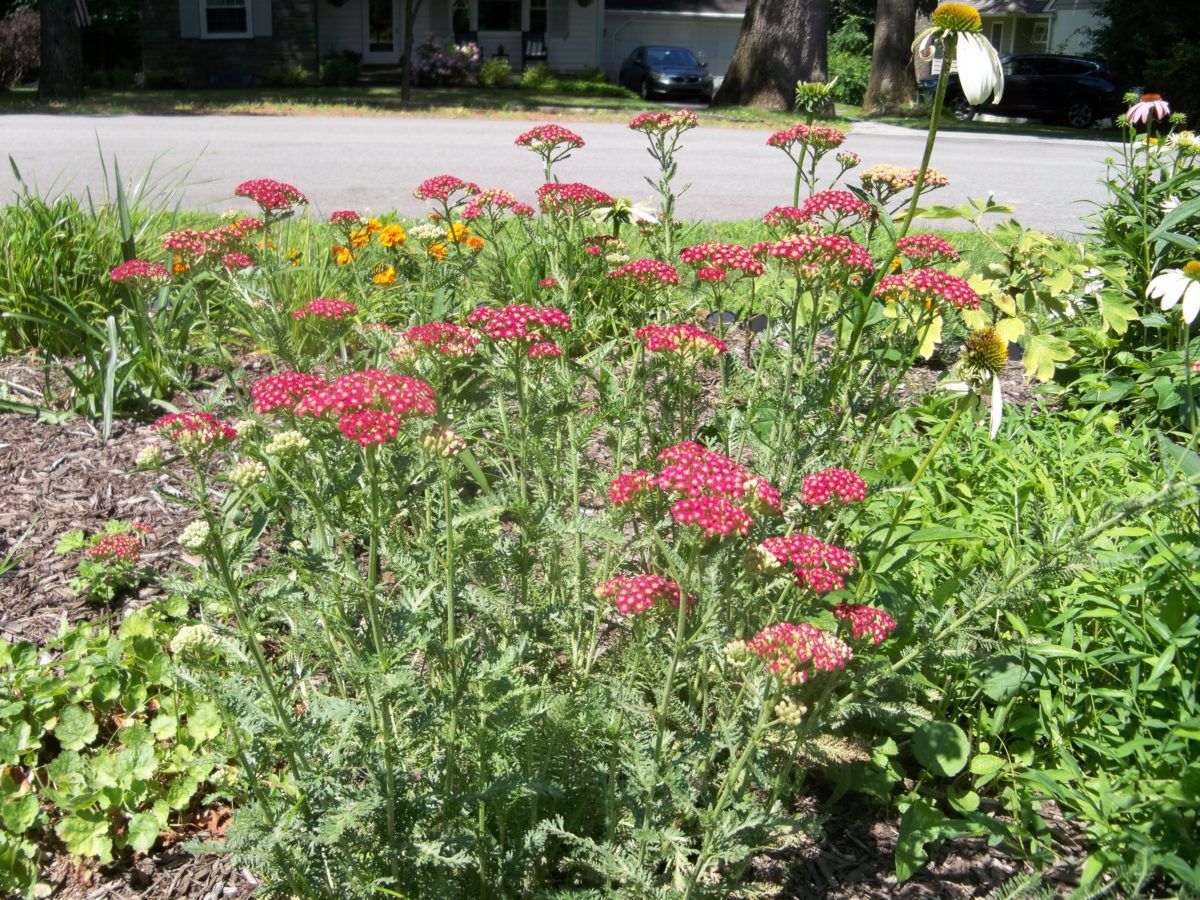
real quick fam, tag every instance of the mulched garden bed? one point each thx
(61, 477)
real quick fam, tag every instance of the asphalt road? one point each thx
(375, 162)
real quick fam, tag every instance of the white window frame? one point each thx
(1044, 27)
(226, 35)
(998, 44)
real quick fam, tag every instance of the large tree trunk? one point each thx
(61, 74)
(411, 8)
(781, 42)
(893, 82)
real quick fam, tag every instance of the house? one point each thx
(235, 43)
(1035, 26)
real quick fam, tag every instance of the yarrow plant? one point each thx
(551, 143)
(806, 146)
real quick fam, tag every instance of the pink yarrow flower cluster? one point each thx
(821, 487)
(519, 322)
(926, 247)
(444, 338)
(723, 257)
(326, 308)
(369, 426)
(713, 515)
(283, 390)
(346, 218)
(680, 120)
(124, 547)
(235, 261)
(490, 201)
(866, 621)
(274, 198)
(817, 137)
(544, 350)
(139, 271)
(836, 205)
(399, 395)
(635, 594)
(685, 340)
(571, 198)
(194, 430)
(646, 271)
(443, 188)
(932, 287)
(791, 652)
(825, 254)
(549, 137)
(813, 562)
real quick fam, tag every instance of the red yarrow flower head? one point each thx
(519, 322)
(932, 288)
(571, 198)
(680, 120)
(235, 261)
(326, 308)
(834, 206)
(123, 547)
(400, 395)
(813, 562)
(274, 198)
(829, 255)
(866, 621)
(792, 652)
(139, 271)
(369, 426)
(283, 390)
(443, 188)
(548, 282)
(346, 218)
(544, 349)
(646, 271)
(818, 138)
(724, 257)
(634, 594)
(785, 215)
(627, 488)
(711, 274)
(820, 487)
(682, 340)
(713, 514)
(926, 248)
(442, 338)
(194, 431)
(186, 242)
(549, 137)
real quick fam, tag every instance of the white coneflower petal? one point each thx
(1191, 301)
(1167, 287)
(997, 406)
(979, 72)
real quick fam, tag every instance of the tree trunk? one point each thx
(411, 8)
(781, 42)
(893, 82)
(61, 75)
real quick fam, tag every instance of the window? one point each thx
(537, 16)
(1041, 33)
(997, 35)
(499, 15)
(460, 16)
(225, 18)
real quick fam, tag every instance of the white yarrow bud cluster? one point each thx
(287, 443)
(737, 654)
(149, 457)
(245, 426)
(789, 712)
(443, 442)
(195, 536)
(193, 640)
(247, 473)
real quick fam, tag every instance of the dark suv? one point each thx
(1067, 89)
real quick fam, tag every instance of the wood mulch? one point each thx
(61, 477)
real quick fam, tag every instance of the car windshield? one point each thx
(670, 56)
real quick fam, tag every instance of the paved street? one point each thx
(374, 162)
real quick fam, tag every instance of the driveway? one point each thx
(375, 162)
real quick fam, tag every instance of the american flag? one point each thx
(82, 18)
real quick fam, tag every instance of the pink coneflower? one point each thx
(1150, 107)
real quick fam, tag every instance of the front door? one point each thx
(382, 45)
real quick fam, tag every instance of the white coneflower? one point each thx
(979, 69)
(978, 371)
(1174, 285)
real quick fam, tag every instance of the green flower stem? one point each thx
(451, 626)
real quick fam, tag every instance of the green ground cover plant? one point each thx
(562, 549)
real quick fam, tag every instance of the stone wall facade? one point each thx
(285, 34)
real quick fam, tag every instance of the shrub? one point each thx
(341, 69)
(288, 76)
(20, 52)
(445, 64)
(496, 72)
(536, 76)
(164, 79)
(850, 61)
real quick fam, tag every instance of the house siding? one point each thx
(228, 62)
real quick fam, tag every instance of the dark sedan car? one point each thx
(1067, 89)
(666, 71)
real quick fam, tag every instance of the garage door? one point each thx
(713, 40)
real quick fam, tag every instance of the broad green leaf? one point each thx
(164, 727)
(1178, 459)
(204, 722)
(180, 792)
(76, 728)
(1059, 281)
(86, 834)
(986, 764)
(20, 814)
(930, 338)
(72, 540)
(1010, 329)
(963, 801)
(975, 318)
(143, 831)
(1000, 677)
(941, 747)
(921, 824)
(1042, 352)
(137, 624)
(1116, 311)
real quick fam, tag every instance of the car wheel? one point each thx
(962, 110)
(644, 90)
(1080, 114)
